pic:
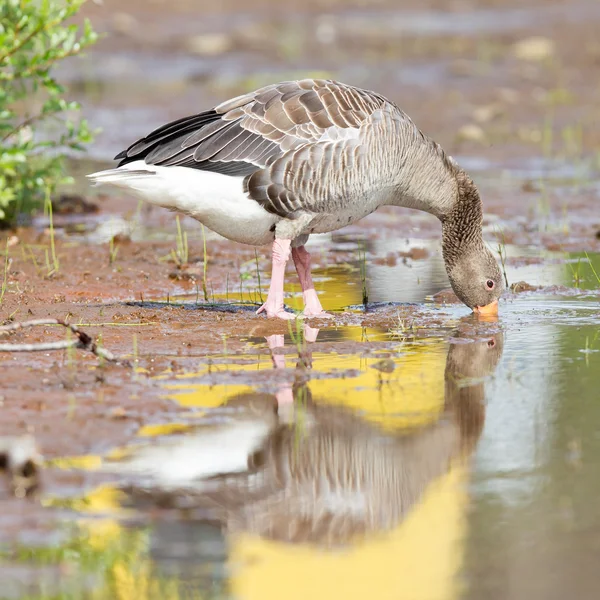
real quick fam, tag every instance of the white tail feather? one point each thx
(116, 175)
(218, 201)
(122, 174)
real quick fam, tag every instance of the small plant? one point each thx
(404, 327)
(181, 254)
(593, 269)
(576, 272)
(204, 265)
(548, 133)
(258, 276)
(51, 267)
(113, 250)
(501, 250)
(37, 123)
(5, 279)
(362, 258)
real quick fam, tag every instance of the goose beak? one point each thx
(490, 310)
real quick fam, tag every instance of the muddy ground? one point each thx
(510, 90)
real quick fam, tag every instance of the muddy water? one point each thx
(402, 456)
(401, 449)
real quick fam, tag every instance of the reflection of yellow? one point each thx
(420, 558)
(416, 561)
(341, 286)
(207, 396)
(163, 429)
(338, 287)
(89, 462)
(412, 395)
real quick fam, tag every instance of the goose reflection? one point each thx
(326, 476)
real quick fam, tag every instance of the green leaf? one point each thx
(35, 36)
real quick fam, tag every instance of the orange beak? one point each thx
(490, 310)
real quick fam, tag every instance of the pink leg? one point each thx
(276, 341)
(312, 306)
(285, 394)
(274, 304)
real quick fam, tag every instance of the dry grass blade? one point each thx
(82, 340)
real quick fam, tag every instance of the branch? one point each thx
(26, 39)
(20, 126)
(83, 341)
(41, 27)
(38, 69)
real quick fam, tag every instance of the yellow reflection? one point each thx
(163, 429)
(341, 286)
(412, 395)
(338, 286)
(85, 462)
(420, 554)
(120, 553)
(418, 560)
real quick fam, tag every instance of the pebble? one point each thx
(471, 133)
(536, 48)
(211, 44)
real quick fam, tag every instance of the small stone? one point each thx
(530, 187)
(471, 133)
(211, 44)
(446, 296)
(118, 413)
(124, 23)
(523, 286)
(385, 365)
(508, 95)
(415, 253)
(534, 49)
(485, 114)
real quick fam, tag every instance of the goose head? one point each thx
(477, 281)
(473, 271)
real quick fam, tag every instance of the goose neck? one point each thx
(462, 224)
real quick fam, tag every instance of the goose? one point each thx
(310, 156)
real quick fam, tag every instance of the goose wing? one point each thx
(255, 127)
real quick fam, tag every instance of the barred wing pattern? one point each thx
(286, 139)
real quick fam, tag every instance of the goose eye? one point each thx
(490, 284)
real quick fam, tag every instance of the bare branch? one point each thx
(83, 341)
(42, 347)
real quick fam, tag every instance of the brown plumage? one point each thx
(311, 156)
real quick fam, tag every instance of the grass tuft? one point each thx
(5, 279)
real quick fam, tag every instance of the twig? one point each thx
(83, 341)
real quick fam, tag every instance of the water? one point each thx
(410, 464)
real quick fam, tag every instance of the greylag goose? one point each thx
(310, 156)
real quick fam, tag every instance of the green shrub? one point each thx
(37, 124)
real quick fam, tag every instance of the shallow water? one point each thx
(409, 464)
